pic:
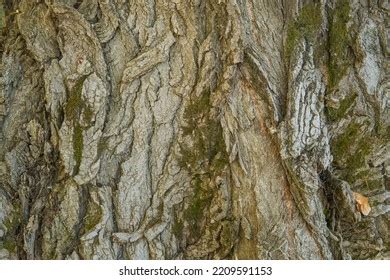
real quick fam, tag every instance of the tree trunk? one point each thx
(203, 129)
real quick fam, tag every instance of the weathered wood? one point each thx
(194, 129)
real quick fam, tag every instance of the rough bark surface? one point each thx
(202, 129)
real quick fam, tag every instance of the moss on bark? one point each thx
(73, 110)
(305, 26)
(204, 159)
(339, 41)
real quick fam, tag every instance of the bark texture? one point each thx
(199, 129)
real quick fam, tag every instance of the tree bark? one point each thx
(247, 129)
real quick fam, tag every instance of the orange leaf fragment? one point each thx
(362, 203)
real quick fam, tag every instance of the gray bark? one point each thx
(247, 129)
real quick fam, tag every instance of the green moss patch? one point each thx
(73, 110)
(343, 143)
(93, 216)
(2, 15)
(350, 151)
(335, 114)
(78, 144)
(177, 229)
(204, 159)
(382, 129)
(227, 236)
(199, 203)
(208, 151)
(306, 25)
(12, 223)
(339, 41)
(75, 104)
